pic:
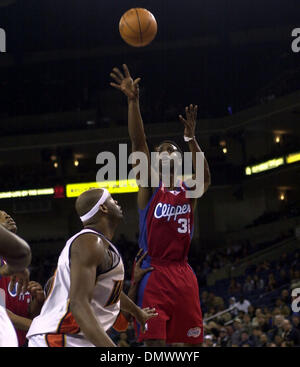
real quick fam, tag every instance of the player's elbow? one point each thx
(78, 305)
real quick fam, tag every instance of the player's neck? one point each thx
(106, 228)
(172, 183)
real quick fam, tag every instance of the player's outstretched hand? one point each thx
(138, 272)
(190, 121)
(125, 83)
(144, 315)
(36, 291)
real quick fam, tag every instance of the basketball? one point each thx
(138, 27)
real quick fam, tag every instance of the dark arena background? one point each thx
(239, 61)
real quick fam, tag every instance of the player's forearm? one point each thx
(34, 308)
(19, 322)
(89, 324)
(128, 305)
(132, 296)
(135, 124)
(194, 148)
(15, 251)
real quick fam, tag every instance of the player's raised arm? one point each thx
(189, 135)
(87, 254)
(130, 87)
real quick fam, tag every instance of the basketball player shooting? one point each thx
(17, 255)
(172, 286)
(86, 294)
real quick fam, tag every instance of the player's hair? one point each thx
(169, 142)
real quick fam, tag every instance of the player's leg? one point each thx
(151, 295)
(186, 324)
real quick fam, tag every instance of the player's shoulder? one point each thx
(88, 245)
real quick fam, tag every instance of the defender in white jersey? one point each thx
(86, 295)
(18, 256)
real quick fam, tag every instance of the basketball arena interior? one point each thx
(234, 60)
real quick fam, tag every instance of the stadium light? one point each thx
(114, 187)
(292, 158)
(26, 193)
(264, 166)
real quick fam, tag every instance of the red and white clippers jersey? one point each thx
(166, 225)
(55, 317)
(16, 304)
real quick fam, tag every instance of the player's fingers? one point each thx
(183, 120)
(145, 271)
(115, 77)
(187, 112)
(196, 111)
(117, 86)
(138, 254)
(32, 290)
(151, 315)
(25, 286)
(126, 71)
(136, 81)
(118, 72)
(152, 310)
(19, 288)
(13, 281)
(141, 258)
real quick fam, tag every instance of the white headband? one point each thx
(95, 208)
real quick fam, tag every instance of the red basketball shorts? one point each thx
(172, 288)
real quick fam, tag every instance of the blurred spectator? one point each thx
(223, 339)
(271, 283)
(263, 340)
(209, 341)
(245, 341)
(234, 287)
(243, 304)
(237, 334)
(247, 325)
(296, 322)
(248, 285)
(255, 337)
(258, 282)
(291, 334)
(286, 297)
(284, 309)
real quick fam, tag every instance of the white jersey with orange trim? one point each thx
(8, 336)
(56, 322)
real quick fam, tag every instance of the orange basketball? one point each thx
(138, 27)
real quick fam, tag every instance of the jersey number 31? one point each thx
(184, 225)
